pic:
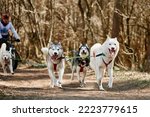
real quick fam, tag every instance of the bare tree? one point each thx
(117, 18)
(74, 21)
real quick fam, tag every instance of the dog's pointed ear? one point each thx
(50, 43)
(115, 38)
(59, 43)
(80, 45)
(108, 37)
(87, 45)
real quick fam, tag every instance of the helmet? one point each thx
(5, 16)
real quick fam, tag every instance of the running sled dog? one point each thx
(55, 63)
(6, 59)
(80, 62)
(102, 57)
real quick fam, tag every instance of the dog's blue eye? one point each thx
(57, 49)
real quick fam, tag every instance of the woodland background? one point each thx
(83, 21)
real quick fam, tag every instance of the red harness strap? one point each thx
(55, 66)
(106, 63)
(55, 70)
(81, 68)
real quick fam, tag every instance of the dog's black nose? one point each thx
(55, 53)
(84, 52)
(112, 48)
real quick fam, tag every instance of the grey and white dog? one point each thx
(80, 62)
(55, 63)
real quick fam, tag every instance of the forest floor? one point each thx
(34, 84)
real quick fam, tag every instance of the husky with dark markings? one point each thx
(80, 62)
(55, 63)
(102, 57)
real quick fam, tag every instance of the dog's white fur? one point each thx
(5, 59)
(110, 50)
(60, 65)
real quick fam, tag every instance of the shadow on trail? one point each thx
(23, 78)
(25, 75)
(130, 85)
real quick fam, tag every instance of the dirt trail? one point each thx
(35, 84)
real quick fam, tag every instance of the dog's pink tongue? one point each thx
(54, 57)
(112, 52)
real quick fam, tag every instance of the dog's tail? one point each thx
(45, 51)
(3, 47)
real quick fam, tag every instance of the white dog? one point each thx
(55, 63)
(102, 57)
(6, 59)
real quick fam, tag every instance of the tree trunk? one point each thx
(147, 56)
(81, 5)
(147, 64)
(117, 18)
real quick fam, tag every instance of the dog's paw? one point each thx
(110, 86)
(52, 85)
(59, 85)
(83, 84)
(12, 73)
(101, 88)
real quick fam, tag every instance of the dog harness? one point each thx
(106, 64)
(83, 63)
(102, 54)
(55, 65)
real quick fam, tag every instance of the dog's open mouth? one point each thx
(54, 57)
(7, 62)
(112, 51)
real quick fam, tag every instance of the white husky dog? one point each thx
(102, 57)
(6, 59)
(55, 63)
